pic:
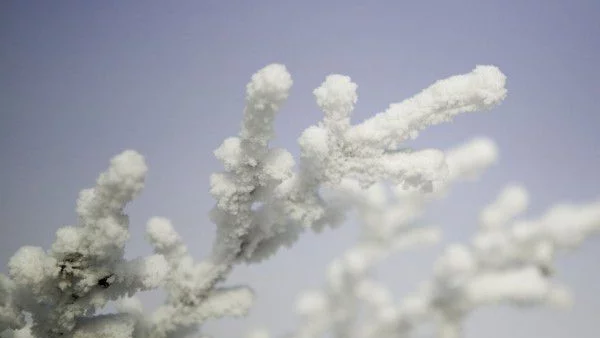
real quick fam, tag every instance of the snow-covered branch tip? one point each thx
(286, 202)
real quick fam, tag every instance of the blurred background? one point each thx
(83, 80)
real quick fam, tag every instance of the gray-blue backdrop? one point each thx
(83, 80)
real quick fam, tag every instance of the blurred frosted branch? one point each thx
(389, 225)
(507, 261)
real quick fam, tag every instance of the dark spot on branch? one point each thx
(545, 270)
(242, 249)
(73, 257)
(104, 281)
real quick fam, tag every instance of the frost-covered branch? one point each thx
(481, 89)
(85, 267)
(331, 154)
(388, 226)
(506, 262)
(263, 201)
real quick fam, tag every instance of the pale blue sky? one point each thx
(83, 80)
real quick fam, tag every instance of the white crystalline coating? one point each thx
(564, 226)
(525, 231)
(220, 303)
(189, 313)
(512, 201)
(230, 153)
(336, 97)
(224, 189)
(417, 237)
(106, 237)
(416, 168)
(252, 170)
(456, 261)
(130, 305)
(278, 164)
(259, 333)
(68, 239)
(30, 268)
(123, 180)
(165, 240)
(464, 162)
(494, 248)
(226, 302)
(480, 89)
(250, 166)
(272, 240)
(192, 298)
(374, 293)
(10, 314)
(143, 273)
(415, 307)
(356, 261)
(153, 271)
(469, 160)
(222, 185)
(375, 195)
(265, 94)
(24, 332)
(272, 82)
(568, 225)
(311, 302)
(88, 258)
(106, 326)
(522, 286)
(314, 143)
(161, 233)
(330, 152)
(104, 229)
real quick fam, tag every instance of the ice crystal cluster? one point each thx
(265, 199)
